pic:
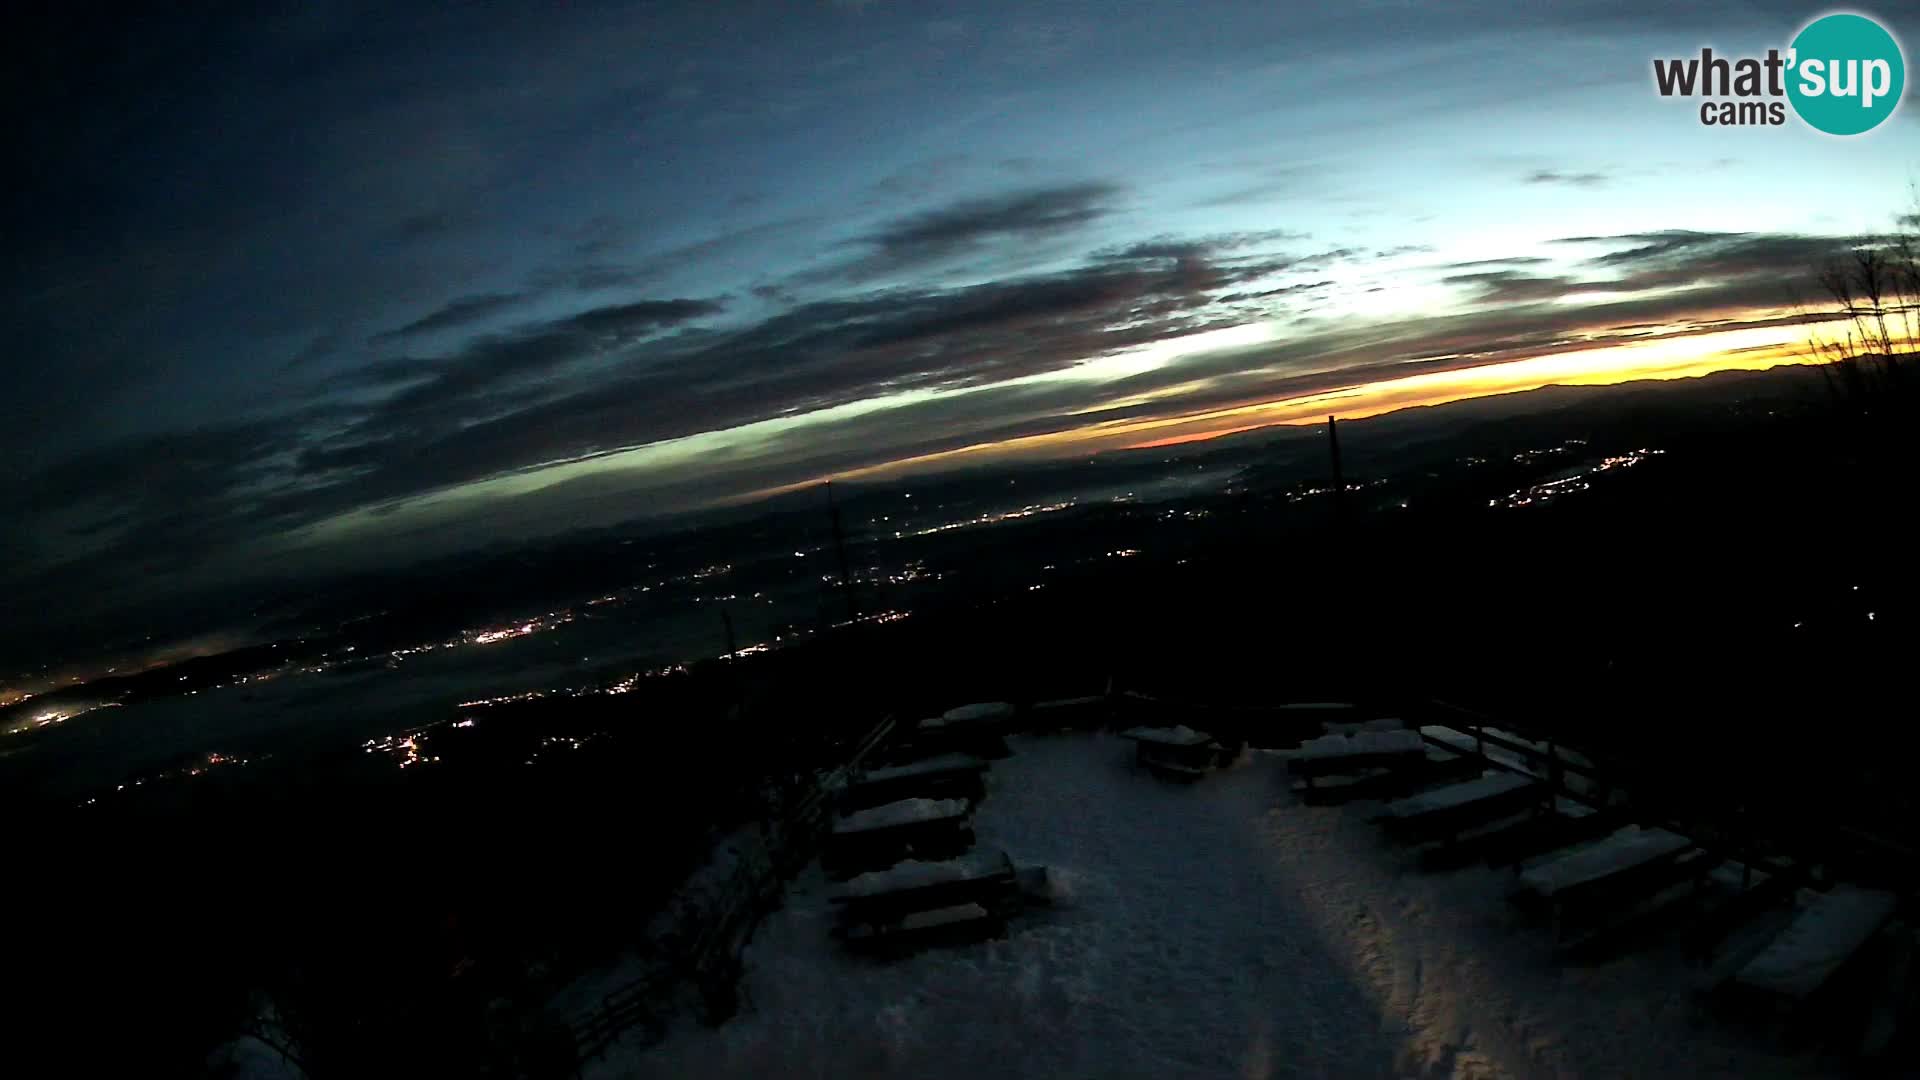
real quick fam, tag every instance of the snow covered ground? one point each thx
(1213, 929)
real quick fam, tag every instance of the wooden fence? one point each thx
(711, 964)
(1778, 843)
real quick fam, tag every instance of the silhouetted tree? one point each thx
(1875, 292)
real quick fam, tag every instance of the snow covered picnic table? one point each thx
(912, 875)
(1492, 787)
(1085, 711)
(1520, 754)
(876, 838)
(891, 897)
(1356, 751)
(950, 775)
(938, 764)
(1178, 751)
(984, 712)
(1084, 701)
(1362, 743)
(1384, 723)
(966, 922)
(1825, 934)
(1178, 735)
(976, 729)
(896, 814)
(1617, 853)
(947, 916)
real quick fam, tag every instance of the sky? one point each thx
(337, 285)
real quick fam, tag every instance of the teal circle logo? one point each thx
(1845, 74)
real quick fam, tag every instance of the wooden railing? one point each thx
(788, 842)
(1543, 755)
(1732, 837)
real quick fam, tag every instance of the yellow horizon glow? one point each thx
(1690, 356)
(1752, 349)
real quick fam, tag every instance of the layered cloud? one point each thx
(963, 228)
(294, 288)
(669, 405)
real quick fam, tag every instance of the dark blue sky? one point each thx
(309, 288)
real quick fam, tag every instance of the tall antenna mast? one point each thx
(1339, 475)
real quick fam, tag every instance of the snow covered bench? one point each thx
(1075, 712)
(1821, 938)
(948, 775)
(959, 924)
(975, 729)
(1357, 751)
(888, 896)
(910, 876)
(979, 714)
(1358, 727)
(1618, 869)
(1618, 853)
(1567, 824)
(1178, 735)
(933, 766)
(882, 835)
(1448, 808)
(905, 813)
(1454, 796)
(1179, 750)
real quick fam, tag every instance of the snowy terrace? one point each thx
(1219, 929)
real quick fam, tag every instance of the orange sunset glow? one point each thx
(1673, 358)
(1685, 355)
